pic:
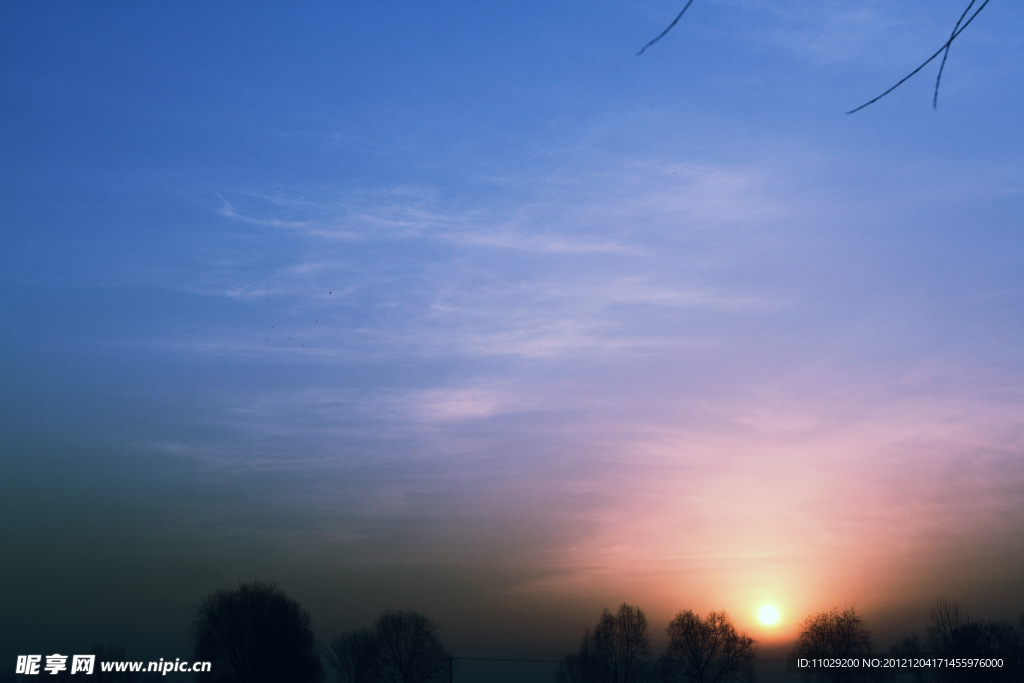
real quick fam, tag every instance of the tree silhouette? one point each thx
(408, 649)
(834, 634)
(707, 650)
(354, 657)
(950, 629)
(617, 650)
(620, 645)
(962, 23)
(953, 634)
(255, 634)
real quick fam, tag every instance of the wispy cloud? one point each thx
(591, 263)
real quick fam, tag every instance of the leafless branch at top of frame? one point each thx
(662, 34)
(961, 24)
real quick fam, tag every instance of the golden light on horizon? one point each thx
(768, 615)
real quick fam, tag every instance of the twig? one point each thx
(662, 34)
(935, 97)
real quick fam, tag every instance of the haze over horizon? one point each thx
(465, 308)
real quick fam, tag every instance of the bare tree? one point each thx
(834, 634)
(408, 649)
(949, 624)
(953, 634)
(255, 634)
(617, 650)
(620, 646)
(354, 657)
(708, 650)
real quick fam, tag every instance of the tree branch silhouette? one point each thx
(662, 34)
(935, 97)
(944, 51)
(945, 48)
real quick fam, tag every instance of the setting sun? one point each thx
(768, 615)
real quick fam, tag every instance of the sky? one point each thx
(466, 308)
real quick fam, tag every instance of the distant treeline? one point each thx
(257, 634)
(710, 650)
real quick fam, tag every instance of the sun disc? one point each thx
(768, 615)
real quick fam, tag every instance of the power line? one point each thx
(495, 659)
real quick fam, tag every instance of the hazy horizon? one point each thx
(465, 308)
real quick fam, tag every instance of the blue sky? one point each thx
(466, 308)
